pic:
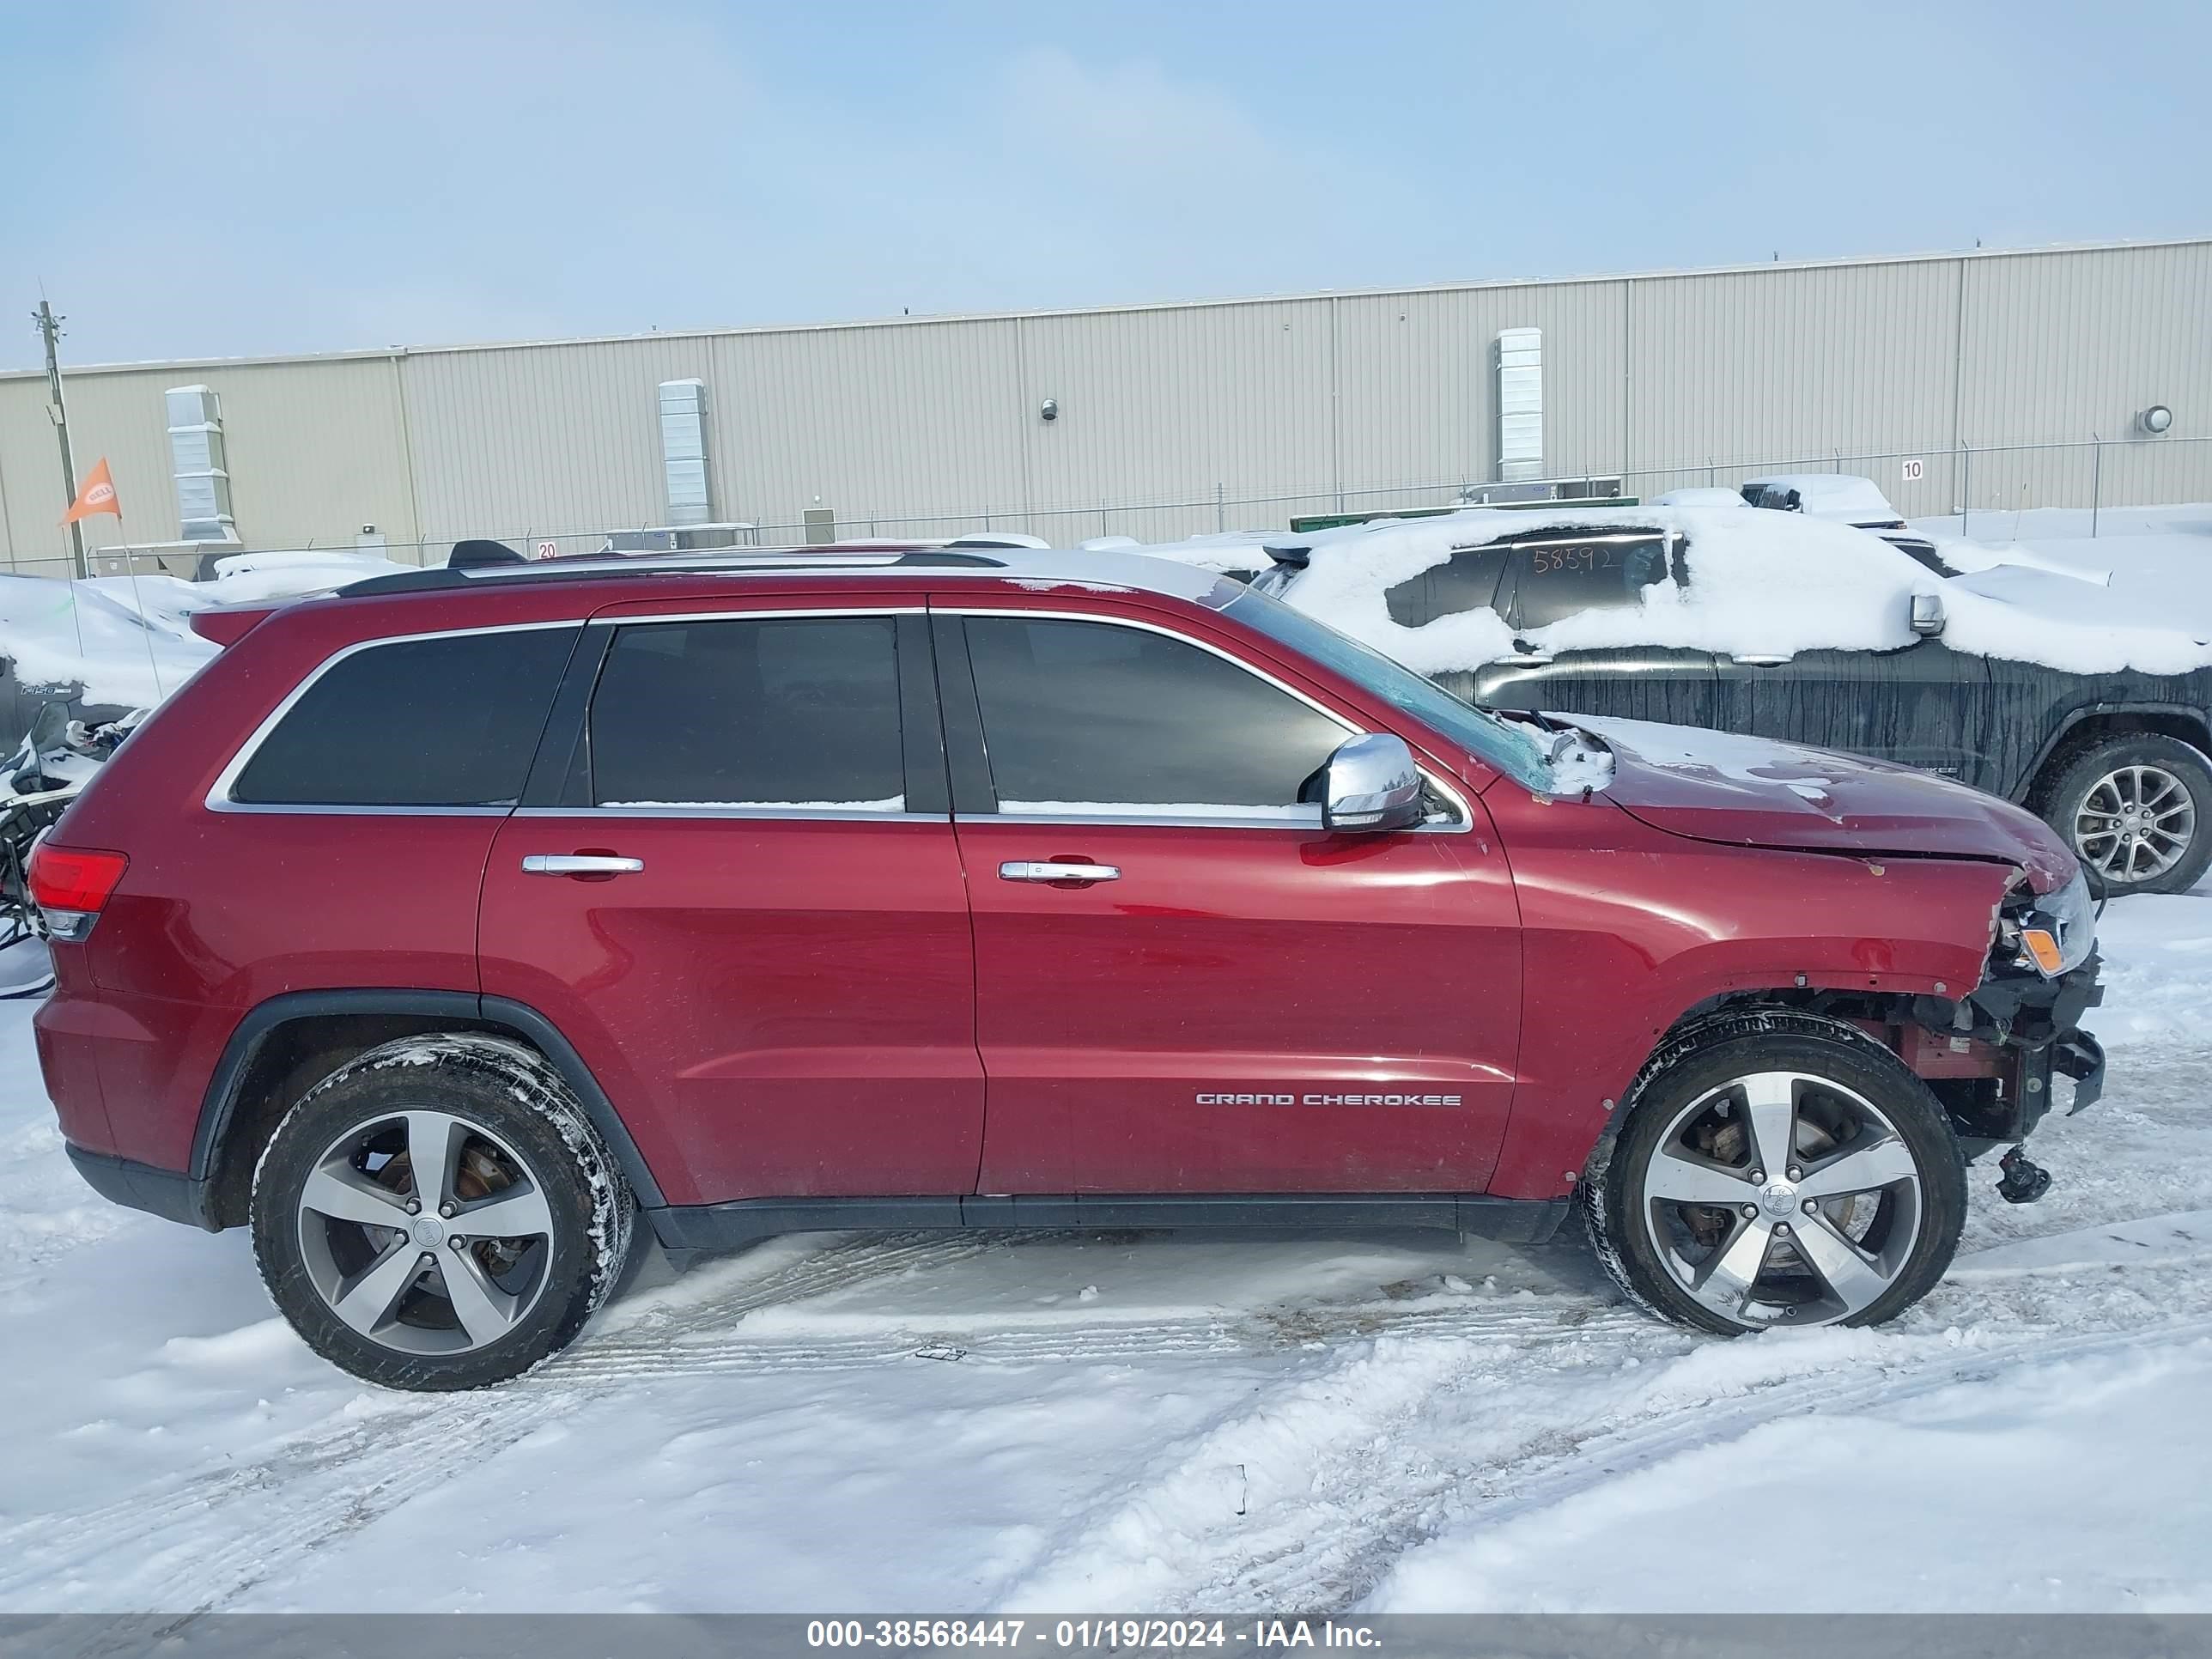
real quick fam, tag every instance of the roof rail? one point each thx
(617, 567)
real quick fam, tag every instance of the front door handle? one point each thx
(1028, 869)
(579, 863)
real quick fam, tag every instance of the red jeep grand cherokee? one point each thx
(440, 929)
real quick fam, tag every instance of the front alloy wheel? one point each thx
(1779, 1170)
(1781, 1195)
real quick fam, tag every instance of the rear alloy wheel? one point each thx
(2137, 812)
(1801, 1176)
(439, 1215)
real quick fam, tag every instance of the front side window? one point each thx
(1553, 580)
(1504, 744)
(1087, 717)
(449, 720)
(784, 713)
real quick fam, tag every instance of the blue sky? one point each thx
(211, 176)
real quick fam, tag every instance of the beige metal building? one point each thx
(1995, 380)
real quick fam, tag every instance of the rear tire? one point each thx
(1858, 1222)
(2145, 785)
(440, 1214)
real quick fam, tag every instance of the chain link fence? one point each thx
(1970, 482)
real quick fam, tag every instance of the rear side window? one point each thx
(1082, 716)
(787, 712)
(1466, 582)
(1553, 580)
(451, 720)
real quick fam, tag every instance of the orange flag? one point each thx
(98, 496)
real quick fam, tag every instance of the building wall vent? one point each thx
(1520, 404)
(196, 457)
(683, 451)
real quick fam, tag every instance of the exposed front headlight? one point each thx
(2060, 930)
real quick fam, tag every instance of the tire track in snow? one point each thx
(245, 1522)
(212, 1536)
(1353, 1483)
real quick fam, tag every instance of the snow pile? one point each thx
(245, 578)
(2039, 1447)
(65, 635)
(1760, 583)
(127, 640)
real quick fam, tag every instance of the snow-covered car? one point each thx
(1791, 627)
(1842, 497)
(1847, 498)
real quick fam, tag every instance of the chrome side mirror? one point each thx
(1927, 617)
(1371, 784)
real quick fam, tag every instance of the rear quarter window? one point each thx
(447, 720)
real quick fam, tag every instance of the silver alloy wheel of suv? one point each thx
(425, 1233)
(439, 1213)
(1772, 1168)
(2136, 824)
(2136, 808)
(1783, 1196)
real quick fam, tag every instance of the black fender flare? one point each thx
(219, 1104)
(2076, 717)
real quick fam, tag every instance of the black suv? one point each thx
(2115, 761)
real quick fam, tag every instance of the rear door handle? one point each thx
(1027, 870)
(579, 863)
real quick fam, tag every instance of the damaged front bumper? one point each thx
(1991, 1057)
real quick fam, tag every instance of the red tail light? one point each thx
(75, 880)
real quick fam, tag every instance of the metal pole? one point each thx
(1966, 487)
(1220, 509)
(50, 330)
(2096, 481)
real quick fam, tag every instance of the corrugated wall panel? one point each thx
(894, 430)
(2062, 345)
(545, 438)
(1172, 405)
(1286, 405)
(315, 449)
(1791, 365)
(1419, 402)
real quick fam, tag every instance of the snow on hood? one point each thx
(1757, 792)
(1758, 584)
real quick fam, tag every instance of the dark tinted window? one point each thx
(783, 712)
(1466, 582)
(1093, 714)
(1556, 579)
(451, 721)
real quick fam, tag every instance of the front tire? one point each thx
(1857, 1218)
(2137, 812)
(439, 1213)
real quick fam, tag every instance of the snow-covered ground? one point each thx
(1108, 1422)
